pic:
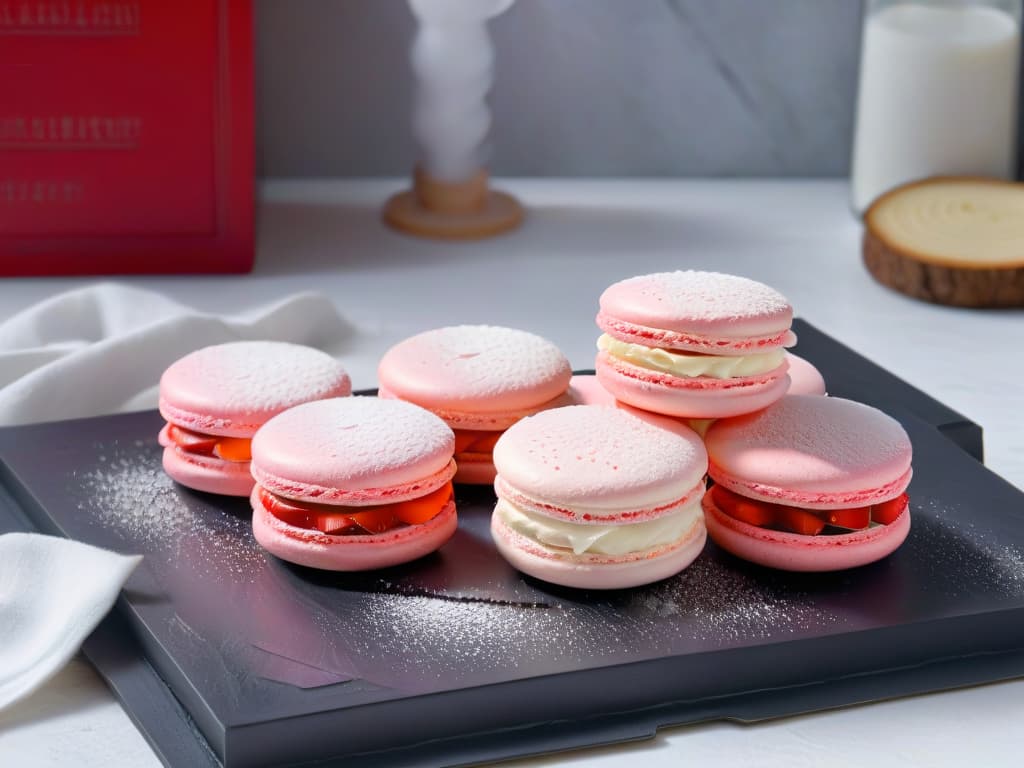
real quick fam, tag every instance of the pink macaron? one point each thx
(804, 378)
(585, 389)
(599, 497)
(809, 484)
(215, 399)
(352, 484)
(481, 380)
(694, 344)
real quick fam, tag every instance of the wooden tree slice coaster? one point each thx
(950, 240)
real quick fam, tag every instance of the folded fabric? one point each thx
(102, 349)
(89, 352)
(53, 592)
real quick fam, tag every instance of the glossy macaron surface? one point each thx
(232, 389)
(813, 452)
(355, 450)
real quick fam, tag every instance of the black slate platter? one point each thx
(223, 654)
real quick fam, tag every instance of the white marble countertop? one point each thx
(798, 236)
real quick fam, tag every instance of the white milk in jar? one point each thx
(938, 94)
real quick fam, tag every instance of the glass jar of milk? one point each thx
(938, 92)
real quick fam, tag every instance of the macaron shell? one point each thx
(232, 389)
(712, 305)
(804, 378)
(208, 473)
(484, 421)
(597, 572)
(795, 552)
(475, 368)
(354, 451)
(812, 452)
(585, 389)
(698, 398)
(351, 553)
(600, 458)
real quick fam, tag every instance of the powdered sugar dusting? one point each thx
(425, 639)
(603, 456)
(353, 443)
(483, 366)
(247, 382)
(128, 493)
(710, 601)
(701, 298)
(962, 559)
(806, 442)
(424, 635)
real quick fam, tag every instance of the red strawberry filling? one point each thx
(473, 441)
(227, 448)
(809, 522)
(356, 521)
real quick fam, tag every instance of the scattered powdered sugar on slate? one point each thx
(253, 377)
(711, 601)
(959, 559)
(467, 363)
(701, 296)
(129, 494)
(419, 639)
(448, 636)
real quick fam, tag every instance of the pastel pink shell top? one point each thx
(232, 389)
(813, 452)
(475, 368)
(353, 450)
(600, 458)
(697, 311)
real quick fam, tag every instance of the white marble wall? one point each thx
(584, 87)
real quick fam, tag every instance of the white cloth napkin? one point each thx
(102, 349)
(88, 352)
(53, 592)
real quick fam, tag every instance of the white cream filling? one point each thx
(691, 364)
(620, 539)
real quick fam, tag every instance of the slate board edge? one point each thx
(168, 728)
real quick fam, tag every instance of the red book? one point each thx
(126, 136)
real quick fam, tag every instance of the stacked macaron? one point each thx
(694, 344)
(480, 380)
(216, 398)
(809, 484)
(354, 483)
(599, 497)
